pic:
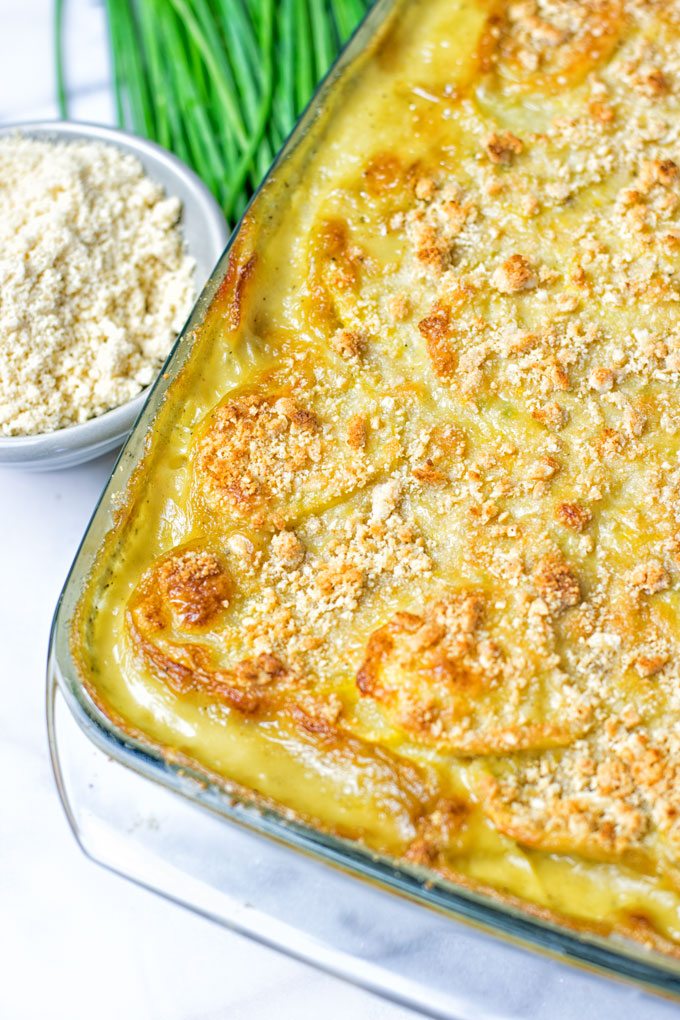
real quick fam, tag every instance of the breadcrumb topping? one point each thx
(95, 282)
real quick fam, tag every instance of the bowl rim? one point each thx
(115, 420)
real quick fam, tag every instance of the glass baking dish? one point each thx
(434, 988)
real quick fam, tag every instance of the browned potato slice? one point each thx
(442, 677)
(254, 451)
(180, 596)
(266, 458)
(613, 796)
(534, 45)
(334, 276)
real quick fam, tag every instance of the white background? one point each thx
(75, 942)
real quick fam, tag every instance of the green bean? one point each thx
(304, 71)
(62, 94)
(347, 14)
(284, 95)
(156, 78)
(219, 82)
(322, 35)
(214, 62)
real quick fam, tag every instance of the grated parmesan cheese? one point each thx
(94, 281)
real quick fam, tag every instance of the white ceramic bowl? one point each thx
(205, 233)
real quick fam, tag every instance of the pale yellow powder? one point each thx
(95, 282)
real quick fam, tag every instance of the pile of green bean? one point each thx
(219, 82)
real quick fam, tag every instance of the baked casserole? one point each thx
(403, 554)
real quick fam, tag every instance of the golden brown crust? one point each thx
(185, 592)
(573, 516)
(440, 832)
(536, 46)
(502, 148)
(514, 274)
(253, 452)
(587, 801)
(443, 678)
(348, 343)
(193, 585)
(639, 929)
(240, 268)
(425, 851)
(357, 432)
(556, 582)
(436, 329)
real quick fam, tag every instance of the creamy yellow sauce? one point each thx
(378, 297)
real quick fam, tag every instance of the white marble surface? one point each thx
(76, 943)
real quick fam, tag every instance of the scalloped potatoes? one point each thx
(404, 555)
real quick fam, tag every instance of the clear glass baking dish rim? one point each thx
(618, 958)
